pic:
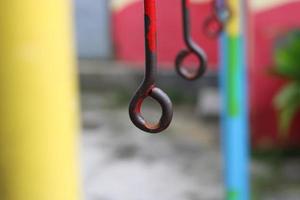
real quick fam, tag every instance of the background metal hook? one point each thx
(192, 48)
(214, 25)
(148, 88)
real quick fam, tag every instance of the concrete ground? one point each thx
(119, 162)
(122, 163)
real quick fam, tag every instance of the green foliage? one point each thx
(287, 65)
(288, 104)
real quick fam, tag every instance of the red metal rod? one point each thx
(148, 87)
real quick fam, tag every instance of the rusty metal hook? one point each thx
(214, 24)
(192, 48)
(148, 87)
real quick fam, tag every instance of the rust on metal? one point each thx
(148, 87)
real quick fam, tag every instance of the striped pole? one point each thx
(233, 82)
(38, 106)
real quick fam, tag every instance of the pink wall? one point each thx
(265, 28)
(129, 28)
(269, 26)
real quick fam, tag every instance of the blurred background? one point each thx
(189, 161)
(185, 162)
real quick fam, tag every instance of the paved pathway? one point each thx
(122, 163)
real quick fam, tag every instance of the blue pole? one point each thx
(234, 98)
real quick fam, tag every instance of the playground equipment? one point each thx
(38, 109)
(148, 87)
(214, 24)
(192, 48)
(234, 119)
(38, 123)
(227, 21)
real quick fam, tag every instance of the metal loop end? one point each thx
(212, 27)
(185, 73)
(167, 111)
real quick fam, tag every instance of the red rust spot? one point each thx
(152, 126)
(150, 11)
(141, 99)
(139, 106)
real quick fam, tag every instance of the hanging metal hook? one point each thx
(192, 48)
(214, 24)
(148, 87)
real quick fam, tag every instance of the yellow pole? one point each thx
(38, 101)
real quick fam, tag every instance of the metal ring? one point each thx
(208, 26)
(185, 73)
(167, 110)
